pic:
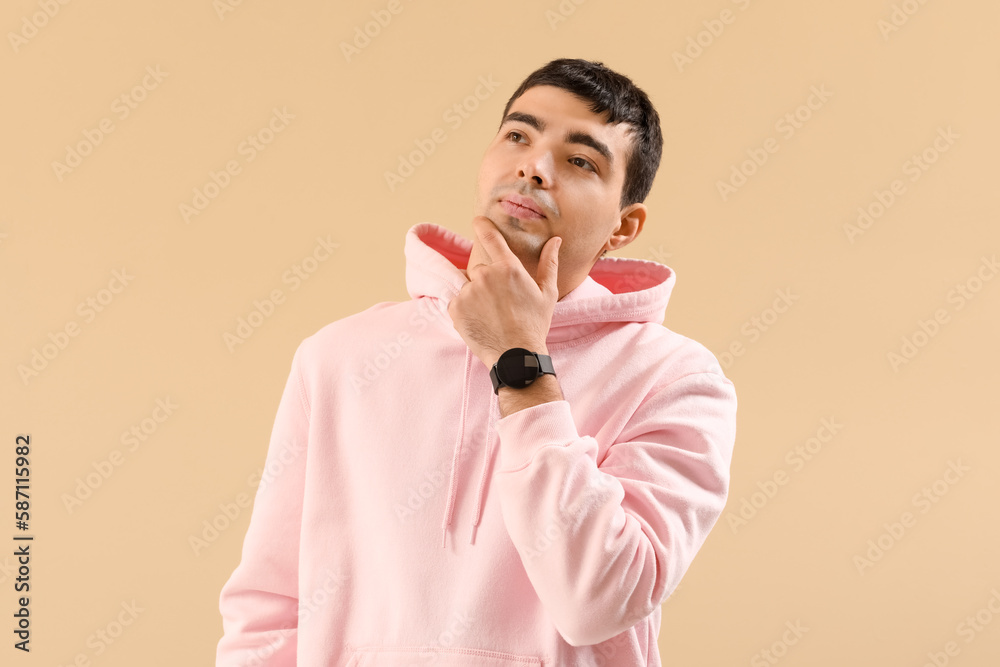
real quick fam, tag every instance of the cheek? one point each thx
(593, 209)
(487, 179)
(483, 188)
(575, 254)
(589, 247)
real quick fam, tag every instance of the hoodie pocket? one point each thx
(436, 656)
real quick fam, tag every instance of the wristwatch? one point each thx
(518, 367)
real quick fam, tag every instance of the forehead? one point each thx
(563, 112)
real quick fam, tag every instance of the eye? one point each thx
(514, 133)
(586, 163)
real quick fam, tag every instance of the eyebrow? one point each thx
(571, 137)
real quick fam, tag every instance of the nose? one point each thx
(537, 166)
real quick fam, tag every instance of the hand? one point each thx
(502, 306)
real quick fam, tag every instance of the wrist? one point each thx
(519, 367)
(494, 355)
(544, 389)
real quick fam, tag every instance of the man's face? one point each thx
(554, 155)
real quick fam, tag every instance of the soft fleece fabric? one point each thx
(401, 521)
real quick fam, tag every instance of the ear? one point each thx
(629, 226)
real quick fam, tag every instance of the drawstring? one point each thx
(457, 455)
(487, 460)
(457, 449)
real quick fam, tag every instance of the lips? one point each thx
(522, 206)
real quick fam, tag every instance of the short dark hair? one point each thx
(609, 92)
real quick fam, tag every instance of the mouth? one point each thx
(520, 207)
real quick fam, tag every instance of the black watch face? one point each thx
(517, 367)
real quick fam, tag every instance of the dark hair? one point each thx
(608, 91)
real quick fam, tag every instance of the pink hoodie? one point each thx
(401, 521)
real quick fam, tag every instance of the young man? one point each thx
(527, 392)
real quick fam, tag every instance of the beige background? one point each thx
(63, 234)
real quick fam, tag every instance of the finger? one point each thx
(548, 266)
(491, 239)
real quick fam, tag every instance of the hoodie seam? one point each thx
(446, 277)
(631, 313)
(658, 388)
(678, 379)
(534, 455)
(573, 342)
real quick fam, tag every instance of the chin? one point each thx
(527, 246)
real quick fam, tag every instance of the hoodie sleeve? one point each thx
(604, 544)
(259, 602)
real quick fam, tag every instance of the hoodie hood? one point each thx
(618, 289)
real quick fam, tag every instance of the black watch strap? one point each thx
(545, 364)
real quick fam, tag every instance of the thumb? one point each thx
(548, 266)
